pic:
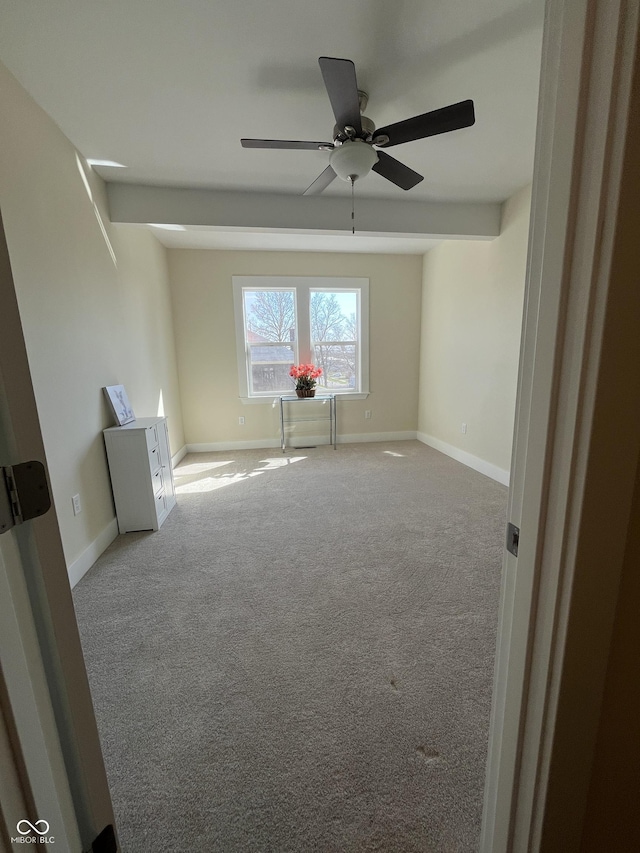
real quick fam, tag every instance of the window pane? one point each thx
(339, 366)
(269, 368)
(269, 315)
(334, 334)
(334, 316)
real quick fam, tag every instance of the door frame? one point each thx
(573, 441)
(47, 707)
(33, 784)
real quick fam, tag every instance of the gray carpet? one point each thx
(301, 658)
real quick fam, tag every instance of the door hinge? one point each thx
(106, 841)
(24, 493)
(513, 538)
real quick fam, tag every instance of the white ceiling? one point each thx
(168, 88)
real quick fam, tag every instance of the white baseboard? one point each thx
(364, 437)
(213, 446)
(487, 468)
(179, 456)
(269, 443)
(81, 566)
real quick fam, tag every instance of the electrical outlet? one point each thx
(463, 428)
(241, 421)
(77, 508)
(367, 414)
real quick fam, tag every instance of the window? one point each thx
(270, 338)
(284, 321)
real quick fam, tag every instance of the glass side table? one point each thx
(306, 409)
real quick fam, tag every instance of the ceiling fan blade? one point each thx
(286, 143)
(396, 172)
(321, 182)
(443, 120)
(340, 79)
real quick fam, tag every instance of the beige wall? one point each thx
(471, 322)
(95, 309)
(205, 341)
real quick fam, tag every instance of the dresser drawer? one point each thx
(161, 505)
(152, 436)
(157, 481)
(154, 459)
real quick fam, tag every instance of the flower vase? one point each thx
(306, 392)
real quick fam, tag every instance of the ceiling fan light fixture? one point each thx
(353, 159)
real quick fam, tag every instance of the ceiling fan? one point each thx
(356, 145)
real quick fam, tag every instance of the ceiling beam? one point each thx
(135, 203)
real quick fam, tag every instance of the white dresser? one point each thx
(141, 473)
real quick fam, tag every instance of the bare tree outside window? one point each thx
(271, 314)
(327, 319)
(334, 338)
(270, 338)
(350, 353)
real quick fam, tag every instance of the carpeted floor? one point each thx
(301, 659)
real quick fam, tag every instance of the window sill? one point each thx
(274, 400)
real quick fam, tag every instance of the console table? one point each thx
(304, 409)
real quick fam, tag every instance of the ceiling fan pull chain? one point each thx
(353, 205)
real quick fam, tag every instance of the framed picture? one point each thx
(120, 405)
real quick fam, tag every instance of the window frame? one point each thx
(302, 287)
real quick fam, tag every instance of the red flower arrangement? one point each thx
(305, 376)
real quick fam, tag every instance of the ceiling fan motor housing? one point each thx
(353, 159)
(340, 134)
